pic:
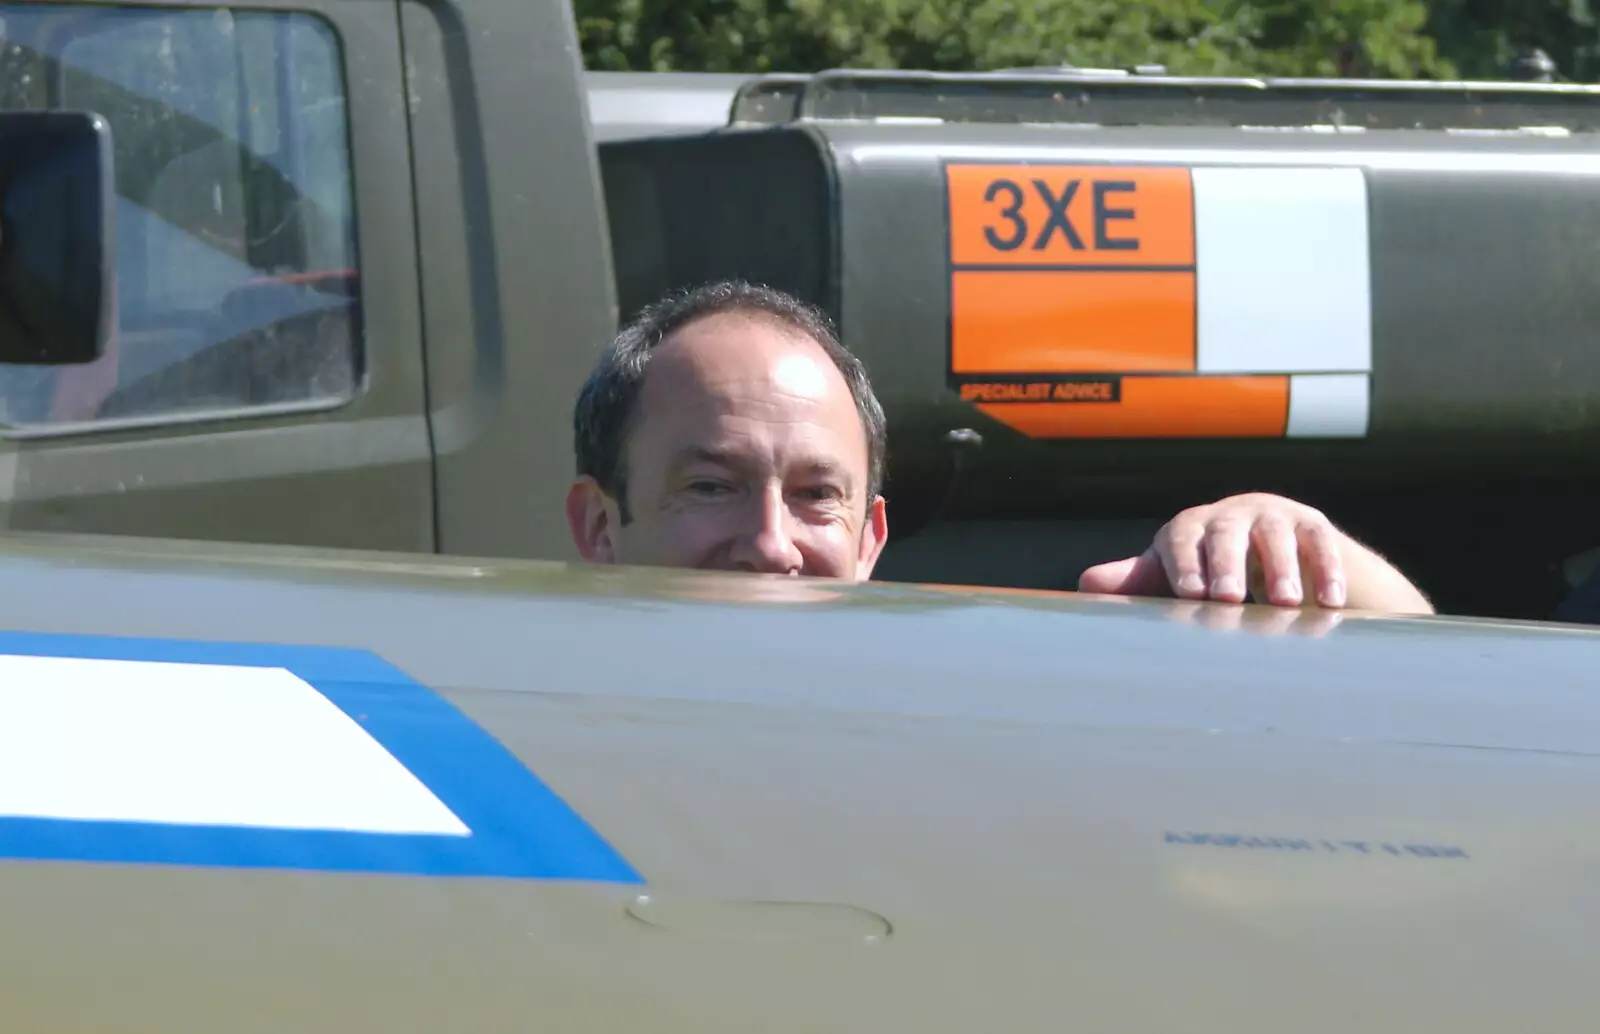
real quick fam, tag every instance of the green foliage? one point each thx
(1365, 38)
(1484, 35)
(1375, 38)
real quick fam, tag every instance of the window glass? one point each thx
(235, 229)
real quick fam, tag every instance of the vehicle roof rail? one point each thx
(1146, 97)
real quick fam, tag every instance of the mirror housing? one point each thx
(57, 244)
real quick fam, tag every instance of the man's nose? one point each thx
(768, 547)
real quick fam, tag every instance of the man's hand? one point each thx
(1287, 553)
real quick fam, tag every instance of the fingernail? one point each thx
(1287, 589)
(1191, 583)
(1333, 595)
(1227, 585)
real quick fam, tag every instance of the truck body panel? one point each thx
(1012, 810)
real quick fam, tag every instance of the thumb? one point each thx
(1141, 575)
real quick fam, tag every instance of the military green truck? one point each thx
(330, 274)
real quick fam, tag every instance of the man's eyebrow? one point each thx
(701, 454)
(727, 458)
(823, 466)
(830, 468)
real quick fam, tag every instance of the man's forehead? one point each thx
(740, 353)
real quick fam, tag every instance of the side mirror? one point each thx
(57, 247)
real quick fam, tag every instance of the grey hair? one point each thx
(604, 416)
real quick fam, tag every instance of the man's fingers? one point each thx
(1261, 547)
(1140, 575)
(1324, 562)
(1278, 551)
(1178, 547)
(1107, 579)
(1226, 547)
(1248, 547)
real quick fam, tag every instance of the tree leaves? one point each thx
(1367, 38)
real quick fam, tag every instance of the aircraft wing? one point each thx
(254, 789)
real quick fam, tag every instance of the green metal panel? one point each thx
(516, 270)
(966, 811)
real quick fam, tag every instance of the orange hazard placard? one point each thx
(1066, 275)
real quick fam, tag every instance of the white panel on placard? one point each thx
(145, 741)
(1283, 277)
(1330, 405)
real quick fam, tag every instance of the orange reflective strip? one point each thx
(1082, 215)
(1030, 322)
(1161, 407)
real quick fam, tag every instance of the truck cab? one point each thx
(361, 267)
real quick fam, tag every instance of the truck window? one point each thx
(236, 256)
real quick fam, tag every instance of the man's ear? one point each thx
(590, 518)
(874, 535)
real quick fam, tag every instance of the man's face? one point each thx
(747, 454)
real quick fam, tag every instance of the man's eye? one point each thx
(820, 493)
(706, 487)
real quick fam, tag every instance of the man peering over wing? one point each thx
(728, 428)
